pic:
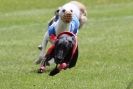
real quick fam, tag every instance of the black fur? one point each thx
(62, 53)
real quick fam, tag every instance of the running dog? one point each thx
(64, 52)
(69, 17)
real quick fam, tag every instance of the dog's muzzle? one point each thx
(67, 17)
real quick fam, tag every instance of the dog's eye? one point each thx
(63, 10)
(71, 10)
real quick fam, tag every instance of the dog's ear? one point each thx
(73, 40)
(57, 11)
(56, 42)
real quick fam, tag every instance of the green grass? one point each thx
(105, 44)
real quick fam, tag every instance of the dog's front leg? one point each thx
(44, 63)
(58, 68)
(54, 71)
(43, 48)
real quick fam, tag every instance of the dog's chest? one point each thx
(61, 27)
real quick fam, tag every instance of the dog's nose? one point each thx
(68, 13)
(67, 17)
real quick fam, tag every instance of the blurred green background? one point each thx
(105, 43)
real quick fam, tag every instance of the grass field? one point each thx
(105, 44)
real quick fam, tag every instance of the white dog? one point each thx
(69, 17)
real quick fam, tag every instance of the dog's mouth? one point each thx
(67, 17)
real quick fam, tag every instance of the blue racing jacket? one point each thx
(73, 27)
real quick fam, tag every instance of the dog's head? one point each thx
(65, 14)
(63, 48)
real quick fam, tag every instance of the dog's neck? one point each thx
(61, 26)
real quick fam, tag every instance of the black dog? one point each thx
(64, 51)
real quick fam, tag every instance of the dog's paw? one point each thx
(41, 69)
(40, 47)
(62, 66)
(54, 72)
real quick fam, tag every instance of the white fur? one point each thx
(59, 25)
(73, 7)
